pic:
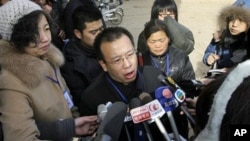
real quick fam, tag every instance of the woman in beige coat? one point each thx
(33, 94)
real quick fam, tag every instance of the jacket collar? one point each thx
(29, 69)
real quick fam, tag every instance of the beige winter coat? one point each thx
(26, 93)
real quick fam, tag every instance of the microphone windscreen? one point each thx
(150, 74)
(145, 98)
(134, 103)
(113, 121)
(101, 112)
(166, 98)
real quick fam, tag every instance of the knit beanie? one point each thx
(13, 10)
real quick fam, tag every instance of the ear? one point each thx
(103, 65)
(77, 33)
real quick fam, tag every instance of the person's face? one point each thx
(120, 60)
(166, 13)
(237, 26)
(158, 43)
(43, 41)
(88, 35)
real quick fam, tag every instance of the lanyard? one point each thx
(166, 62)
(54, 80)
(118, 91)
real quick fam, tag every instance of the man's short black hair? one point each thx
(109, 35)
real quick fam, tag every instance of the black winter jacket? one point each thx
(180, 68)
(101, 91)
(80, 68)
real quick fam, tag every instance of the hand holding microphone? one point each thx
(179, 95)
(190, 105)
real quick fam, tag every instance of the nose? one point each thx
(157, 44)
(44, 37)
(235, 22)
(126, 62)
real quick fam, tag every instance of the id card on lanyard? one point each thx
(68, 99)
(65, 92)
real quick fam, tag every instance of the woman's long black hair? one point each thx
(25, 31)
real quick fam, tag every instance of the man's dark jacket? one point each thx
(80, 69)
(101, 91)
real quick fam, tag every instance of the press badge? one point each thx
(68, 99)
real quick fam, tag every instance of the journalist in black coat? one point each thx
(122, 79)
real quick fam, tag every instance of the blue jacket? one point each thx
(232, 50)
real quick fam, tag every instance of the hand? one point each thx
(61, 34)
(217, 36)
(206, 81)
(47, 9)
(212, 58)
(86, 125)
(190, 105)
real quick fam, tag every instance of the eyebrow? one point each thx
(121, 54)
(94, 30)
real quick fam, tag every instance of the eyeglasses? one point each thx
(120, 59)
(167, 13)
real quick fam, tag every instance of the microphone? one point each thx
(102, 110)
(111, 125)
(134, 103)
(148, 101)
(179, 95)
(168, 102)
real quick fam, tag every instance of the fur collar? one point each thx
(29, 69)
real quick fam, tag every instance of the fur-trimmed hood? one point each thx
(230, 12)
(211, 132)
(29, 69)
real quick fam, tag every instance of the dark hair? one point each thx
(153, 26)
(109, 35)
(85, 14)
(25, 31)
(163, 5)
(237, 110)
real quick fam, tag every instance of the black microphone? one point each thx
(146, 98)
(168, 102)
(110, 127)
(134, 103)
(179, 95)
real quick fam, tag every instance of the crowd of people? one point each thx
(59, 62)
